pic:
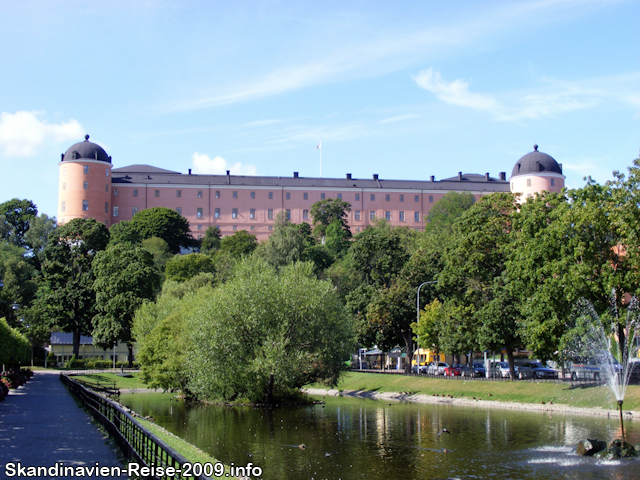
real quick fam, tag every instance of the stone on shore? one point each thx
(590, 447)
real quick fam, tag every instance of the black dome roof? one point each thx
(86, 149)
(536, 162)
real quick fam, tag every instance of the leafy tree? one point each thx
(164, 223)
(125, 277)
(289, 243)
(211, 241)
(327, 211)
(264, 334)
(66, 296)
(239, 244)
(432, 319)
(17, 216)
(159, 250)
(14, 346)
(183, 267)
(337, 239)
(475, 281)
(447, 210)
(40, 228)
(124, 232)
(20, 286)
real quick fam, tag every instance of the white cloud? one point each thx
(21, 133)
(203, 164)
(398, 118)
(455, 93)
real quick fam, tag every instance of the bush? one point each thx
(74, 362)
(51, 360)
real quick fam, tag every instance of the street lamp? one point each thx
(418, 314)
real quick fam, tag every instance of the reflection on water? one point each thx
(366, 439)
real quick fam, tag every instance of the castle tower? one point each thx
(84, 185)
(536, 172)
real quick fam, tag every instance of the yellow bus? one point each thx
(424, 356)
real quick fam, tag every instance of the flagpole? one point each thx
(320, 159)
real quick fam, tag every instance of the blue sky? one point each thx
(402, 89)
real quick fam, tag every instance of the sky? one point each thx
(402, 89)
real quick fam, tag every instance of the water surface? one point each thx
(353, 439)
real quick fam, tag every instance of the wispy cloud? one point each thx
(203, 164)
(550, 99)
(21, 133)
(398, 118)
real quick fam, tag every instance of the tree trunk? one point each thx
(622, 340)
(76, 342)
(408, 343)
(268, 398)
(512, 368)
(130, 347)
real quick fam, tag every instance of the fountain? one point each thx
(607, 349)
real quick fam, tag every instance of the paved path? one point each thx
(41, 424)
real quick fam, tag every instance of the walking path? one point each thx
(41, 424)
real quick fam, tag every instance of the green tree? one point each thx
(125, 277)
(324, 212)
(289, 243)
(485, 310)
(211, 241)
(124, 232)
(447, 210)
(14, 346)
(337, 239)
(40, 228)
(239, 244)
(159, 250)
(17, 217)
(264, 334)
(183, 267)
(427, 329)
(20, 287)
(66, 297)
(164, 223)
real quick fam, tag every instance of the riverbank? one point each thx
(518, 395)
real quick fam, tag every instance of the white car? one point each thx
(437, 368)
(503, 369)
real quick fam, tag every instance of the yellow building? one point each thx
(62, 349)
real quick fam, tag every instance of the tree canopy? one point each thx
(163, 223)
(324, 212)
(17, 215)
(239, 244)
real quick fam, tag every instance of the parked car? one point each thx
(591, 369)
(536, 370)
(502, 369)
(437, 368)
(453, 370)
(476, 369)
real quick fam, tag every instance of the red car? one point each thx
(453, 370)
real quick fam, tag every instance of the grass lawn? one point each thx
(110, 378)
(506, 391)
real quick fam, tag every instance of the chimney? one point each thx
(348, 176)
(460, 176)
(375, 176)
(228, 177)
(560, 165)
(486, 177)
(503, 176)
(433, 178)
(228, 172)
(295, 174)
(61, 156)
(189, 171)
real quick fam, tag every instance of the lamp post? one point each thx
(418, 316)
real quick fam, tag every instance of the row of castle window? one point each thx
(252, 195)
(85, 170)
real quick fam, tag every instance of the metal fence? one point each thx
(136, 442)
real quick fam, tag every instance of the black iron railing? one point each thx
(137, 443)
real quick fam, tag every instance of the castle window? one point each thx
(106, 207)
(528, 182)
(106, 187)
(217, 193)
(234, 213)
(85, 205)
(253, 227)
(430, 198)
(217, 213)
(402, 198)
(372, 215)
(357, 214)
(373, 197)
(387, 198)
(199, 193)
(253, 195)
(553, 182)
(322, 196)
(199, 227)
(178, 209)
(106, 173)
(252, 213)
(63, 206)
(235, 194)
(270, 195)
(270, 227)
(116, 211)
(135, 192)
(64, 186)
(357, 197)
(157, 193)
(85, 185)
(199, 213)
(416, 216)
(288, 195)
(305, 195)
(134, 210)
(235, 227)
(387, 216)
(86, 169)
(401, 216)
(416, 198)
(288, 214)
(115, 192)
(340, 196)
(270, 214)
(64, 171)
(178, 193)
(305, 214)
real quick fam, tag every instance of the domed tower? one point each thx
(84, 183)
(536, 172)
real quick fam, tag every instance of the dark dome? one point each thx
(536, 162)
(88, 150)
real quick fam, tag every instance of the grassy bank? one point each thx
(506, 391)
(111, 378)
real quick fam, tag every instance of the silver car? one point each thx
(437, 368)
